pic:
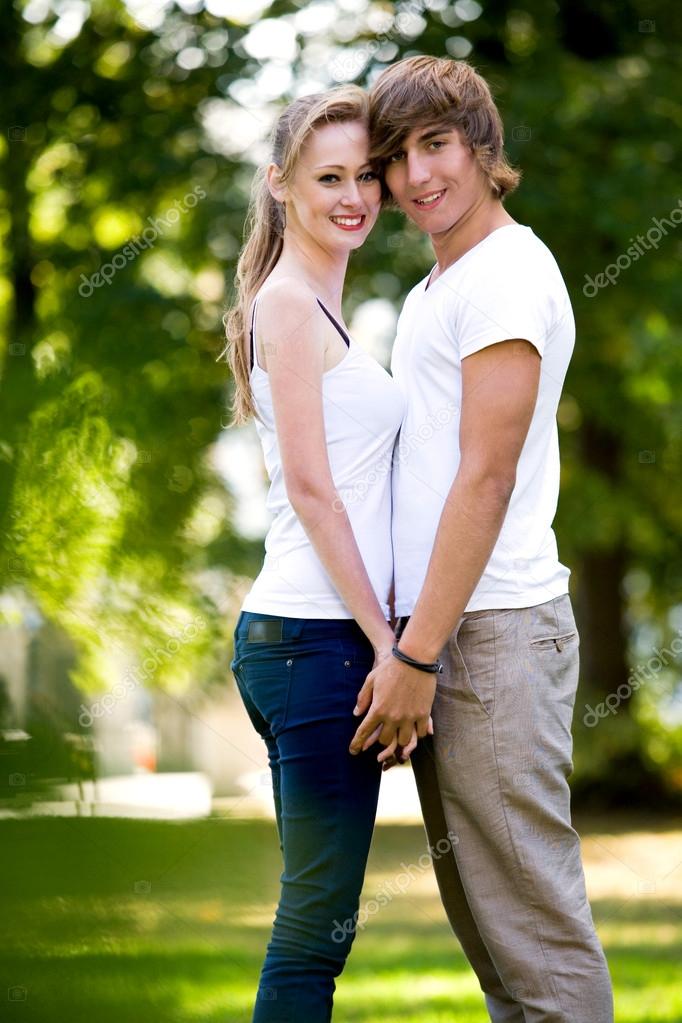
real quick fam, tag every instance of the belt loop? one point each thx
(293, 627)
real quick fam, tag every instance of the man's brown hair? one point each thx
(438, 92)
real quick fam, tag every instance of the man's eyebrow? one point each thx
(432, 132)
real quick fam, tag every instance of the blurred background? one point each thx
(135, 807)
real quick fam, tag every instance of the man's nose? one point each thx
(417, 171)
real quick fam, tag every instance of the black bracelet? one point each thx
(433, 669)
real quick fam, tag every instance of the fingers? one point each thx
(401, 754)
(404, 734)
(364, 697)
(368, 732)
(412, 745)
(389, 752)
(372, 730)
(423, 727)
(396, 746)
(371, 739)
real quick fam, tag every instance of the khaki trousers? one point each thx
(493, 780)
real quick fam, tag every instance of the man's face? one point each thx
(435, 178)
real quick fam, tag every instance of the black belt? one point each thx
(400, 625)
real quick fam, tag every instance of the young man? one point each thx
(482, 349)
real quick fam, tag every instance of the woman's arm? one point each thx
(289, 324)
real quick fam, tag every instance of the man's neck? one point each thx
(477, 224)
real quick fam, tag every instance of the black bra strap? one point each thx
(253, 316)
(324, 310)
(338, 327)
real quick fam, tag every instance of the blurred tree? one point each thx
(111, 307)
(129, 149)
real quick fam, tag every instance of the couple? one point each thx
(421, 612)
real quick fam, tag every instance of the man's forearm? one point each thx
(469, 526)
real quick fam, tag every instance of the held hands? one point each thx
(399, 699)
(400, 756)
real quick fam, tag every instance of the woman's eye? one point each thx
(369, 176)
(394, 157)
(326, 177)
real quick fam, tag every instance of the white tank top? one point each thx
(363, 409)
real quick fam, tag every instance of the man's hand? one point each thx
(400, 755)
(401, 700)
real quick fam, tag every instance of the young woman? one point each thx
(315, 622)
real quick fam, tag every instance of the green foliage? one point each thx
(110, 393)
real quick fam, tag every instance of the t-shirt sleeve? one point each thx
(509, 299)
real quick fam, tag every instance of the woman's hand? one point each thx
(382, 649)
(401, 756)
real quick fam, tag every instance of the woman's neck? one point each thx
(323, 271)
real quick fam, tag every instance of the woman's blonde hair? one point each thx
(266, 220)
(437, 92)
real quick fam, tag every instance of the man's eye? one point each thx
(394, 157)
(437, 142)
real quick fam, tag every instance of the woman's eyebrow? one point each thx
(337, 166)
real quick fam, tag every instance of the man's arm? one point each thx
(499, 392)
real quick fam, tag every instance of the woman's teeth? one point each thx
(348, 221)
(431, 199)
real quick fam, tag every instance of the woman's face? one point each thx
(334, 196)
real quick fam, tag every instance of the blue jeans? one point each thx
(299, 679)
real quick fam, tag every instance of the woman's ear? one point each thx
(273, 177)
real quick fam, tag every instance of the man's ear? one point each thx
(273, 177)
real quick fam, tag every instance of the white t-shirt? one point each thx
(507, 286)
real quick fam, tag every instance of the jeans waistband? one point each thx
(254, 627)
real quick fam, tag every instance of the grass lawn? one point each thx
(118, 920)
